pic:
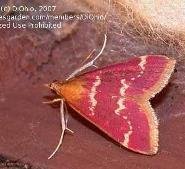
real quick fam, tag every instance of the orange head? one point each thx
(70, 90)
(54, 86)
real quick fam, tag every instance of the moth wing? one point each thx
(145, 75)
(136, 126)
(116, 99)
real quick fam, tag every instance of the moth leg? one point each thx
(90, 63)
(67, 118)
(63, 124)
(52, 101)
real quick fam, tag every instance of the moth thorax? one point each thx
(70, 90)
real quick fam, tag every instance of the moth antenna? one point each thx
(90, 63)
(89, 56)
(63, 123)
(95, 66)
(101, 51)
